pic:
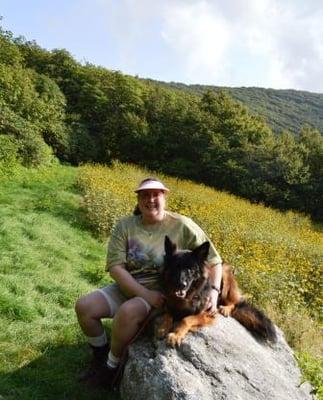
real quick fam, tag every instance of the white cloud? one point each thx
(200, 37)
(281, 41)
(290, 38)
(269, 43)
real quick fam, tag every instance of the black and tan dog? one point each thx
(186, 283)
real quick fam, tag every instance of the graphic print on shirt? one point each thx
(142, 260)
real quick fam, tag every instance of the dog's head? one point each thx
(182, 268)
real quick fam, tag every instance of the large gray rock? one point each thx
(219, 362)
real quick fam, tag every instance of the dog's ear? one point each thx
(201, 252)
(170, 247)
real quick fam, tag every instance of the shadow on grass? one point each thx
(52, 376)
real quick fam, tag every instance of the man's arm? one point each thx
(132, 288)
(215, 279)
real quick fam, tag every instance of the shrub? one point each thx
(32, 110)
(9, 154)
(34, 151)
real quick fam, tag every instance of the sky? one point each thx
(264, 43)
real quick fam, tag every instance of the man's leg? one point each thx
(89, 310)
(128, 317)
(126, 323)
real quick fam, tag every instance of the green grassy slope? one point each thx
(47, 259)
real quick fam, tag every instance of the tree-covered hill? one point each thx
(281, 109)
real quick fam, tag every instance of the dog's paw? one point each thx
(225, 310)
(160, 332)
(173, 339)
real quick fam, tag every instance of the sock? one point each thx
(98, 341)
(113, 361)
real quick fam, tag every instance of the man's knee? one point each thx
(82, 306)
(93, 305)
(133, 310)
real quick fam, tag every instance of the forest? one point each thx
(53, 107)
(284, 109)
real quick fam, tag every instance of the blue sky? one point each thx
(264, 43)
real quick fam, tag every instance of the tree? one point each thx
(9, 52)
(32, 109)
(312, 192)
(234, 138)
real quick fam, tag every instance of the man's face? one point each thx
(151, 203)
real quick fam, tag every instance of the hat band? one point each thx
(150, 185)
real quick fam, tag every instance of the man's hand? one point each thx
(212, 304)
(155, 299)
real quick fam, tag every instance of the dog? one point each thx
(187, 287)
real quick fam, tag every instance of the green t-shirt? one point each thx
(141, 248)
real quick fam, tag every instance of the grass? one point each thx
(48, 258)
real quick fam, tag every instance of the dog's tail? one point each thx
(255, 321)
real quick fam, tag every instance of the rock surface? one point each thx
(219, 362)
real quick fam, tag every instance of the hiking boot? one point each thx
(99, 360)
(104, 377)
(107, 377)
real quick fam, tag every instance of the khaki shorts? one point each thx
(115, 298)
